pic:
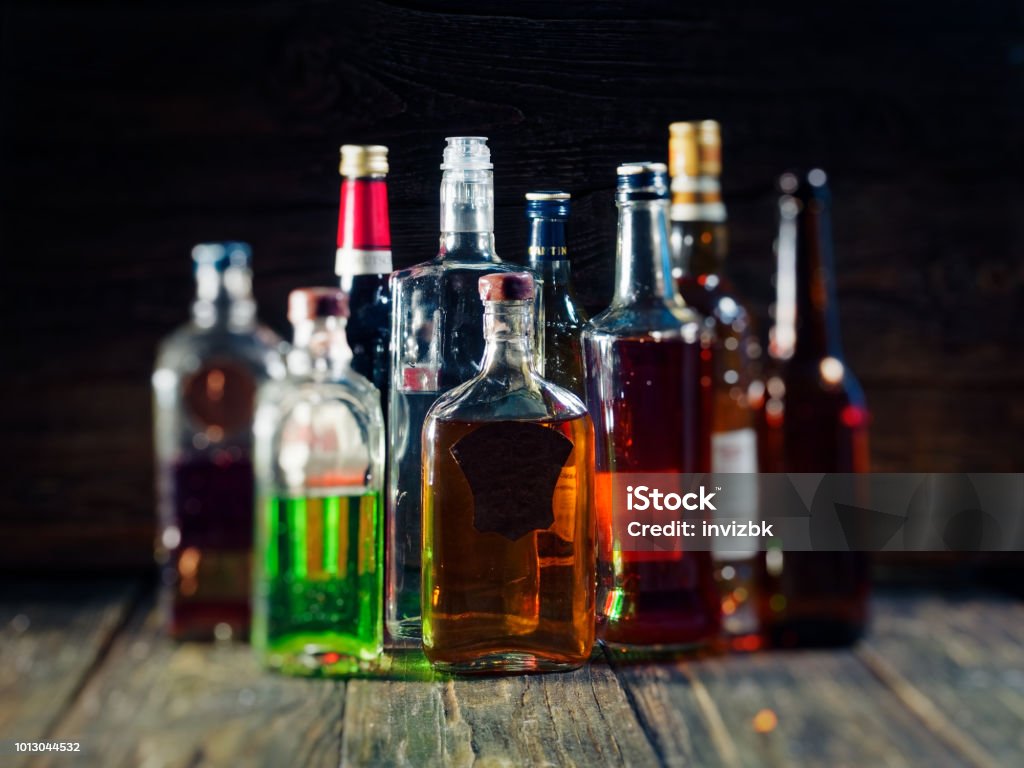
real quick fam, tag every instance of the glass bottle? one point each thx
(814, 420)
(319, 598)
(644, 369)
(437, 344)
(508, 459)
(204, 389)
(699, 249)
(364, 260)
(563, 318)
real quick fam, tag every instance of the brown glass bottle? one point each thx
(699, 241)
(814, 419)
(508, 469)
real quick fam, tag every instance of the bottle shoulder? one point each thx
(656, 319)
(493, 399)
(438, 268)
(190, 346)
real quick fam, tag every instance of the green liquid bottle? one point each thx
(318, 607)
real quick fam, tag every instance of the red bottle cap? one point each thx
(311, 303)
(507, 286)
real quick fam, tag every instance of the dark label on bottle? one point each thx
(512, 468)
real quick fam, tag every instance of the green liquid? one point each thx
(320, 580)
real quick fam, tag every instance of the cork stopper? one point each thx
(361, 160)
(312, 303)
(695, 148)
(507, 286)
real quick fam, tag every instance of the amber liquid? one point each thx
(491, 604)
(656, 421)
(813, 598)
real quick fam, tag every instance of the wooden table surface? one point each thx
(938, 682)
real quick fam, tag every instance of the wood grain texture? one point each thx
(958, 664)
(578, 718)
(156, 702)
(129, 132)
(51, 635)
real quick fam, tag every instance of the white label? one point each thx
(352, 261)
(736, 451)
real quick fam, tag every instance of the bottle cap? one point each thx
(311, 303)
(361, 160)
(507, 286)
(695, 148)
(642, 181)
(803, 189)
(547, 204)
(467, 153)
(221, 256)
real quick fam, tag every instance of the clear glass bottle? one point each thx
(363, 260)
(437, 344)
(319, 597)
(548, 250)
(204, 390)
(700, 249)
(815, 419)
(507, 462)
(644, 364)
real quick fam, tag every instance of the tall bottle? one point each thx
(699, 249)
(364, 260)
(319, 598)
(437, 344)
(814, 420)
(508, 460)
(548, 213)
(204, 387)
(643, 374)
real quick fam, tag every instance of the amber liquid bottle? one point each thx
(699, 250)
(643, 368)
(814, 420)
(508, 464)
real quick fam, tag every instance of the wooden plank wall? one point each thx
(128, 132)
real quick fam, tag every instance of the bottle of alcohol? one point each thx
(364, 260)
(643, 373)
(814, 420)
(204, 386)
(437, 344)
(507, 459)
(563, 318)
(699, 249)
(319, 598)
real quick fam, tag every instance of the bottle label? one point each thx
(219, 399)
(356, 261)
(736, 451)
(512, 497)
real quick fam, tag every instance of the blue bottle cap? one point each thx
(547, 204)
(221, 256)
(642, 181)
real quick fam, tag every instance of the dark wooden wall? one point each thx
(129, 131)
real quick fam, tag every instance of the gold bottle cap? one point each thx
(360, 160)
(695, 148)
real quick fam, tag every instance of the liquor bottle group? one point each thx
(431, 461)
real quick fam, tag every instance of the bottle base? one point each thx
(632, 653)
(315, 656)
(406, 633)
(506, 664)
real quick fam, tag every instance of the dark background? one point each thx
(130, 131)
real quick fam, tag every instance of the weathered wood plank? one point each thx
(780, 709)
(156, 702)
(580, 718)
(51, 635)
(958, 664)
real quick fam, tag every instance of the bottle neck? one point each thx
(508, 332)
(643, 269)
(224, 298)
(806, 316)
(549, 253)
(364, 229)
(467, 215)
(320, 348)
(698, 226)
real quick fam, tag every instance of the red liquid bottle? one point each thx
(814, 419)
(644, 370)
